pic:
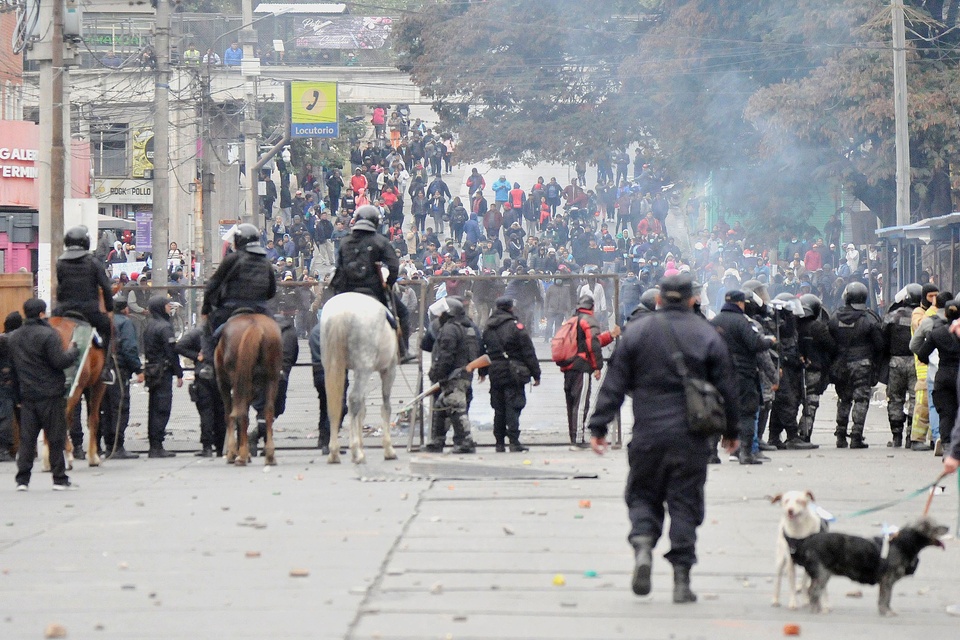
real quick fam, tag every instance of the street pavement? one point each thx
(444, 546)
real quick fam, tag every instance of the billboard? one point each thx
(342, 32)
(313, 110)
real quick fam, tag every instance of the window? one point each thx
(109, 146)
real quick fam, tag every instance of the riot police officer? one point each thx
(455, 347)
(816, 352)
(513, 361)
(783, 413)
(359, 255)
(859, 338)
(902, 375)
(245, 279)
(81, 282)
(204, 392)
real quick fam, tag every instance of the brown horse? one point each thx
(248, 359)
(89, 385)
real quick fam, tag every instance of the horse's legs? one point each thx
(242, 420)
(231, 443)
(335, 383)
(356, 411)
(386, 384)
(93, 421)
(268, 417)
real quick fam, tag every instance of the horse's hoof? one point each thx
(270, 461)
(389, 455)
(95, 462)
(240, 462)
(334, 458)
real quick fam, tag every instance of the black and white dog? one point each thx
(866, 560)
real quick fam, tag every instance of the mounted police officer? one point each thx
(455, 347)
(513, 361)
(81, 282)
(244, 280)
(859, 338)
(902, 375)
(816, 352)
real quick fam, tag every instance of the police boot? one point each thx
(746, 457)
(500, 446)
(896, 432)
(681, 585)
(467, 445)
(518, 447)
(433, 447)
(856, 440)
(841, 434)
(157, 451)
(920, 445)
(642, 564)
(206, 452)
(714, 442)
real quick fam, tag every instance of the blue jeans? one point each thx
(934, 416)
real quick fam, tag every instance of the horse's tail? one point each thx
(334, 356)
(247, 355)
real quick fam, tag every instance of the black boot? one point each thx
(681, 585)
(252, 440)
(466, 446)
(746, 457)
(856, 439)
(642, 564)
(206, 452)
(896, 432)
(157, 451)
(123, 454)
(841, 434)
(500, 447)
(433, 447)
(518, 447)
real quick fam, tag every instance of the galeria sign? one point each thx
(17, 171)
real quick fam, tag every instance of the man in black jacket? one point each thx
(359, 255)
(8, 387)
(744, 342)
(163, 364)
(816, 352)
(81, 282)
(901, 372)
(859, 338)
(456, 346)
(513, 361)
(204, 392)
(115, 411)
(39, 361)
(668, 463)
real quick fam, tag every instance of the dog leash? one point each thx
(893, 503)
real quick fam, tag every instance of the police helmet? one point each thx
(812, 305)
(753, 303)
(649, 298)
(369, 213)
(910, 295)
(951, 310)
(77, 238)
(247, 237)
(504, 303)
(757, 287)
(455, 307)
(855, 293)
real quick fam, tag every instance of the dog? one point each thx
(798, 522)
(866, 560)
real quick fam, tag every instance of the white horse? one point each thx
(355, 336)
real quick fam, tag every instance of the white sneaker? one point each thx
(22, 487)
(65, 487)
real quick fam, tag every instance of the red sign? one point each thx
(19, 142)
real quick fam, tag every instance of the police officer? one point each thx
(648, 304)
(245, 279)
(8, 387)
(744, 341)
(816, 352)
(81, 282)
(668, 463)
(787, 401)
(454, 349)
(163, 364)
(291, 351)
(513, 361)
(204, 392)
(859, 338)
(115, 412)
(902, 375)
(360, 255)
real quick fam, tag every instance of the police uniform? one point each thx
(243, 280)
(357, 260)
(857, 333)
(115, 411)
(816, 351)
(513, 361)
(902, 375)
(454, 349)
(789, 395)
(163, 364)
(204, 392)
(81, 282)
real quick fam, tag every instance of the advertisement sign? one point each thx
(19, 144)
(144, 229)
(142, 153)
(347, 32)
(122, 191)
(313, 110)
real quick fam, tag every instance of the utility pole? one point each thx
(250, 67)
(160, 231)
(205, 241)
(900, 112)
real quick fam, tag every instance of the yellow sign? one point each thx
(313, 109)
(142, 152)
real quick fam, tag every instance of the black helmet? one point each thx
(649, 298)
(951, 310)
(812, 305)
(368, 212)
(504, 303)
(454, 307)
(758, 288)
(247, 237)
(855, 293)
(909, 295)
(77, 238)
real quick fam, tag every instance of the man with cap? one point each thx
(744, 341)
(39, 360)
(513, 362)
(668, 463)
(577, 385)
(82, 283)
(455, 347)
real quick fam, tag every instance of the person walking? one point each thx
(513, 362)
(115, 414)
(163, 364)
(577, 372)
(668, 463)
(39, 360)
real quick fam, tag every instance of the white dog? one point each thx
(798, 521)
